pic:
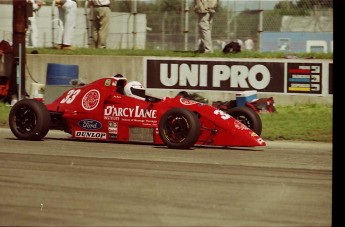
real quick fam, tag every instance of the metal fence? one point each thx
(237, 20)
(172, 24)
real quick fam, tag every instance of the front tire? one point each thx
(248, 117)
(179, 128)
(29, 119)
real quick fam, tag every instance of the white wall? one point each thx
(120, 34)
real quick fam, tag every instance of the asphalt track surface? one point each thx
(62, 182)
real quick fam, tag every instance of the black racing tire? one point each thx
(29, 119)
(179, 128)
(248, 117)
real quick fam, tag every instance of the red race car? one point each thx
(112, 109)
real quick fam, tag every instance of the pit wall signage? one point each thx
(279, 77)
(304, 78)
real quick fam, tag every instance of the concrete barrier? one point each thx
(289, 81)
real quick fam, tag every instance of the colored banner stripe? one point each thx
(299, 89)
(301, 75)
(305, 80)
(300, 71)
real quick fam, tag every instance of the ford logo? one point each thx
(90, 124)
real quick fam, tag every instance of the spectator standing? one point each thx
(32, 32)
(100, 14)
(205, 10)
(67, 20)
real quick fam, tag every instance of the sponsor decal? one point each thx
(90, 124)
(240, 126)
(187, 102)
(91, 99)
(107, 82)
(253, 134)
(110, 118)
(137, 112)
(112, 136)
(112, 127)
(260, 140)
(91, 135)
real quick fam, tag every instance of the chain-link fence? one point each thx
(172, 24)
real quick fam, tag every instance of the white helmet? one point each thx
(135, 89)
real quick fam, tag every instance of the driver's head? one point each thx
(135, 89)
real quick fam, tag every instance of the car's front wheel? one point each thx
(29, 119)
(248, 117)
(179, 128)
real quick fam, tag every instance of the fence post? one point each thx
(186, 25)
(134, 13)
(260, 29)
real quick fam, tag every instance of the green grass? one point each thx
(4, 112)
(130, 52)
(308, 122)
(305, 122)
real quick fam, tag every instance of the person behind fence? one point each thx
(205, 10)
(100, 14)
(67, 20)
(32, 32)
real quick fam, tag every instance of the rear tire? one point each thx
(29, 119)
(179, 128)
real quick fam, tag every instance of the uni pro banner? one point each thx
(215, 75)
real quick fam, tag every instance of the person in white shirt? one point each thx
(32, 32)
(67, 20)
(100, 14)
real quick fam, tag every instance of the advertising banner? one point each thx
(215, 75)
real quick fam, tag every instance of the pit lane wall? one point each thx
(288, 81)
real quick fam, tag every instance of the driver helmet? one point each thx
(135, 89)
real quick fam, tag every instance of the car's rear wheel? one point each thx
(29, 119)
(248, 117)
(179, 128)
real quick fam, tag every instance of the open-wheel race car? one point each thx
(113, 109)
